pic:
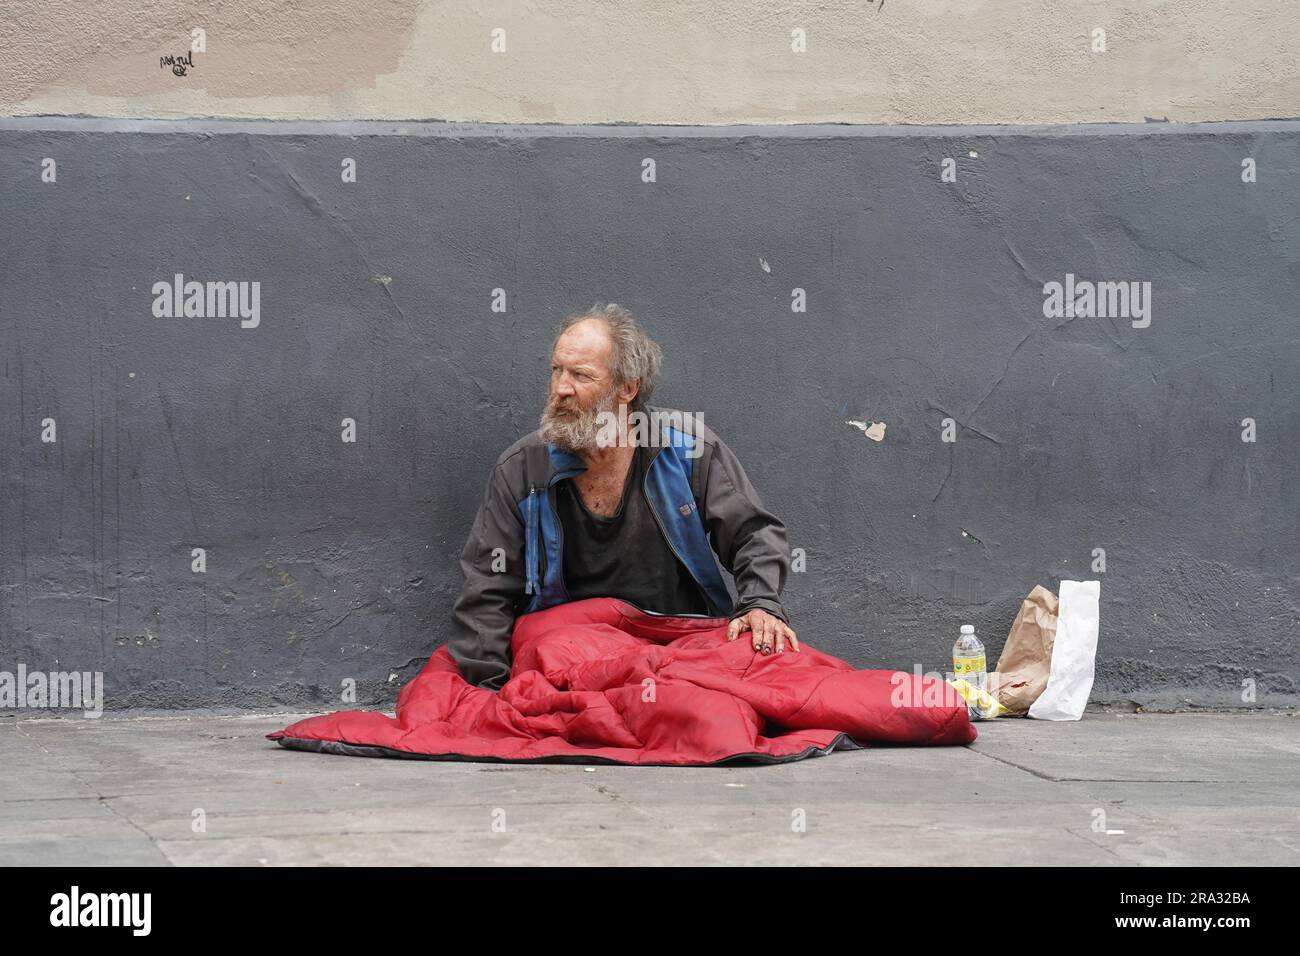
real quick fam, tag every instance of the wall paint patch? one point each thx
(875, 430)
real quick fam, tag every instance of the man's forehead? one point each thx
(583, 343)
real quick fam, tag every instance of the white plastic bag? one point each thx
(1074, 655)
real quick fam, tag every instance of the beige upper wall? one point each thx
(659, 61)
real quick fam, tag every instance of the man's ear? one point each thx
(628, 391)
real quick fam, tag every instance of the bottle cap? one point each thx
(968, 628)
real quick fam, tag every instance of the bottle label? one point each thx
(968, 665)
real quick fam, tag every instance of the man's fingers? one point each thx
(768, 633)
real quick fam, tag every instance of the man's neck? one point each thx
(611, 459)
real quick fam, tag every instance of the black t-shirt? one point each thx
(626, 555)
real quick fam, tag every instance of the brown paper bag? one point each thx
(1026, 660)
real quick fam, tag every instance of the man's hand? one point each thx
(768, 631)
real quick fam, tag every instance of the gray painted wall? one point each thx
(328, 560)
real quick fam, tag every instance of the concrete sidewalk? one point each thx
(1111, 790)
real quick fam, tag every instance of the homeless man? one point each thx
(569, 514)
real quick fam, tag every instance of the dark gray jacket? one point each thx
(512, 559)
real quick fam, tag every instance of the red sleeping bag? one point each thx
(599, 681)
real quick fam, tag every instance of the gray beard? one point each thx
(580, 433)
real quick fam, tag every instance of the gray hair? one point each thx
(635, 357)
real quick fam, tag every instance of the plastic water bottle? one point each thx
(968, 659)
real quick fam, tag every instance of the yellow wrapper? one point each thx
(981, 704)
